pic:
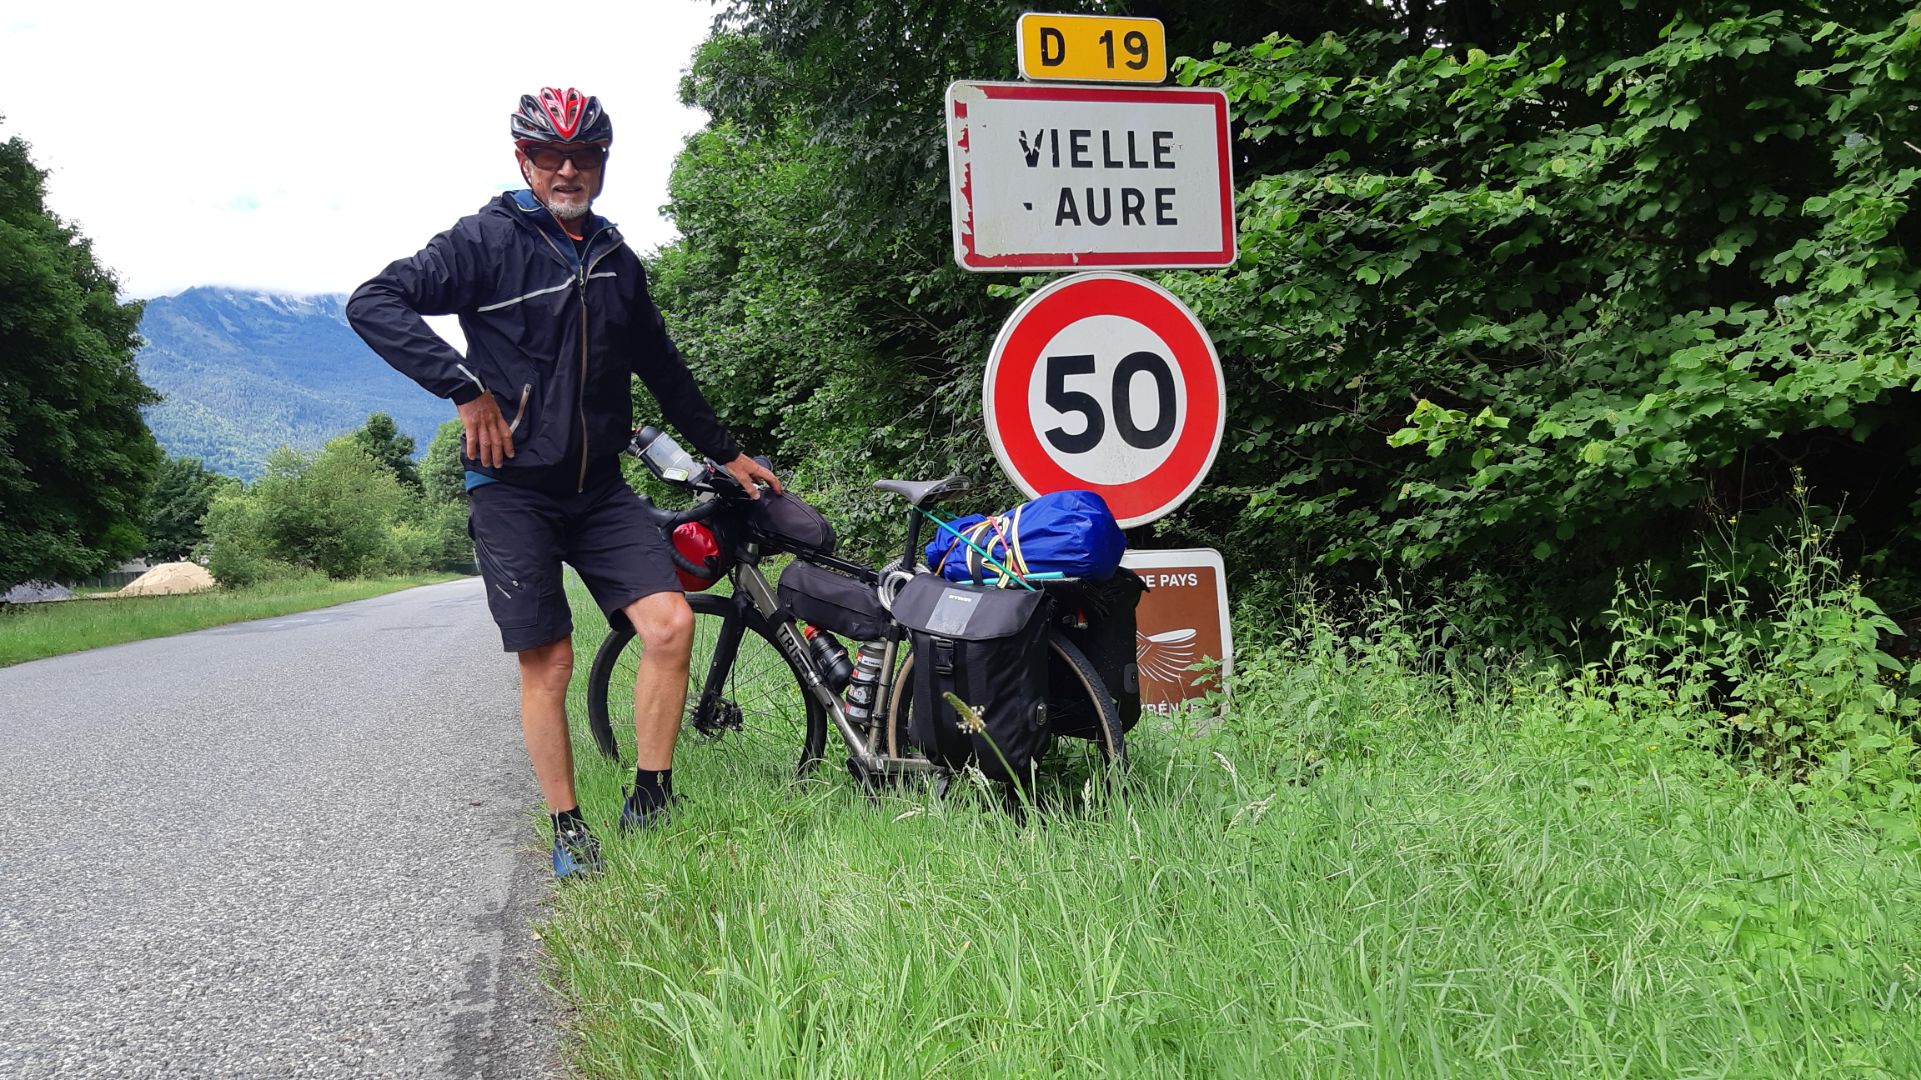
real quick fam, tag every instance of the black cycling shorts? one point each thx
(521, 536)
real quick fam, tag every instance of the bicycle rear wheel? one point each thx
(754, 709)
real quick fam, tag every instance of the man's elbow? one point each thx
(363, 306)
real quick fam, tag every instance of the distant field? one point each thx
(33, 631)
(1466, 890)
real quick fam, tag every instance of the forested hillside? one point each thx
(242, 374)
(1530, 294)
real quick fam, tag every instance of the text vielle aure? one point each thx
(1080, 148)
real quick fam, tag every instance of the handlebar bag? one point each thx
(785, 523)
(1070, 533)
(989, 648)
(832, 602)
(1098, 616)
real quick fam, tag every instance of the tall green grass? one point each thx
(33, 631)
(1370, 869)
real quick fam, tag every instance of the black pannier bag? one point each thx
(833, 602)
(785, 523)
(1099, 618)
(989, 648)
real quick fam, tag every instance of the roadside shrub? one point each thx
(1780, 668)
(432, 537)
(1557, 303)
(338, 512)
(237, 548)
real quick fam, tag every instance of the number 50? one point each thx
(1061, 368)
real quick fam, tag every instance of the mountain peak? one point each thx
(287, 303)
(244, 371)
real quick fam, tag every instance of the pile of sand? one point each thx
(168, 579)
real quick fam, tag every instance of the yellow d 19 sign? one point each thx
(1092, 48)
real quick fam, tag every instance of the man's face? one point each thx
(565, 177)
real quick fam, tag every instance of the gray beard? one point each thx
(570, 211)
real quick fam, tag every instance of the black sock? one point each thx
(568, 819)
(652, 789)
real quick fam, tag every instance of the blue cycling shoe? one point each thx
(576, 853)
(635, 816)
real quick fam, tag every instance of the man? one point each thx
(558, 321)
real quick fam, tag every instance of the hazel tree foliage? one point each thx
(1571, 300)
(1528, 291)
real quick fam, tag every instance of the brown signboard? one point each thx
(1182, 621)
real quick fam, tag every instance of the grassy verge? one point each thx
(1369, 870)
(33, 631)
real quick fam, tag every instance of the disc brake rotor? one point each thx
(716, 716)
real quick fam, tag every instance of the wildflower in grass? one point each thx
(968, 717)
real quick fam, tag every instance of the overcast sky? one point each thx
(301, 148)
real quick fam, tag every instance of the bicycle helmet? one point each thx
(560, 116)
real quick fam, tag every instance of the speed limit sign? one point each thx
(1107, 383)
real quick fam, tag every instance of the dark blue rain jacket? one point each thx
(554, 332)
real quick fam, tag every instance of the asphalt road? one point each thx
(298, 847)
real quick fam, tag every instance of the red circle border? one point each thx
(1011, 369)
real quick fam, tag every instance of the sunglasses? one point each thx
(548, 158)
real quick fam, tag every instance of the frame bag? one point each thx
(988, 647)
(832, 602)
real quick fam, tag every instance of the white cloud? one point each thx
(301, 149)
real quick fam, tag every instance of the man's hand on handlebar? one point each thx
(488, 440)
(746, 472)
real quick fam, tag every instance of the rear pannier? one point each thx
(832, 602)
(989, 648)
(1099, 617)
(785, 523)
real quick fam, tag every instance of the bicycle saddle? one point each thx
(926, 492)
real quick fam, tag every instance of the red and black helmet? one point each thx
(561, 116)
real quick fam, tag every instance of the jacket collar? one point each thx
(522, 206)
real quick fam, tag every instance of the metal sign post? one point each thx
(1105, 381)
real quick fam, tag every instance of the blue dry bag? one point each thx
(1066, 534)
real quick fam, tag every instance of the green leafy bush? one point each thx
(1570, 300)
(1779, 667)
(338, 512)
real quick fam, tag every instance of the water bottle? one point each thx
(866, 683)
(830, 658)
(665, 457)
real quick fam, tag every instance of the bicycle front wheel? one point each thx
(744, 697)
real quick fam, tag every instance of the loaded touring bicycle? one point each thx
(1045, 663)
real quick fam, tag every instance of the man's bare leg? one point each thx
(544, 672)
(665, 625)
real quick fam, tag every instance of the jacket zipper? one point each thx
(521, 413)
(581, 269)
(580, 396)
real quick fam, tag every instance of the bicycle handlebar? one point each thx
(671, 519)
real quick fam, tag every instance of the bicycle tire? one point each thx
(1064, 658)
(764, 692)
